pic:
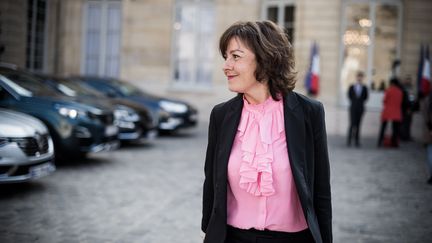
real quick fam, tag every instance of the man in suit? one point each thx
(357, 94)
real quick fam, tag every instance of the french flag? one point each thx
(312, 78)
(424, 74)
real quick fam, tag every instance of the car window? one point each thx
(20, 90)
(104, 88)
(127, 89)
(26, 84)
(75, 88)
(66, 90)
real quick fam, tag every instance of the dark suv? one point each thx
(75, 128)
(135, 122)
(173, 114)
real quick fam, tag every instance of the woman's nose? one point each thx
(227, 65)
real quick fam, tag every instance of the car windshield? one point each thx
(26, 84)
(15, 87)
(75, 88)
(127, 89)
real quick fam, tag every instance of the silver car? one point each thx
(26, 148)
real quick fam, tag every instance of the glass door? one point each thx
(101, 39)
(193, 52)
(36, 34)
(370, 43)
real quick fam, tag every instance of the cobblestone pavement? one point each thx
(152, 194)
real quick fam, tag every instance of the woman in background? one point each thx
(392, 112)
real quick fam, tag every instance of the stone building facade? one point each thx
(172, 45)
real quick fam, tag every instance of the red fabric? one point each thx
(314, 84)
(392, 104)
(425, 86)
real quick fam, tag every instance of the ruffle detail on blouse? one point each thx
(259, 127)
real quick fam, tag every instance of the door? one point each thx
(101, 38)
(193, 51)
(371, 34)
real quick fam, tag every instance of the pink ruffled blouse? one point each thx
(261, 192)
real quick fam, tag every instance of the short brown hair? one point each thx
(273, 53)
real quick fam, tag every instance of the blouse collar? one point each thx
(267, 105)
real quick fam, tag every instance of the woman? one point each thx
(266, 170)
(392, 112)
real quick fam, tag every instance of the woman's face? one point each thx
(239, 67)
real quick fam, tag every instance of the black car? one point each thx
(135, 122)
(76, 128)
(173, 114)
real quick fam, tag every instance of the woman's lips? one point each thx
(229, 77)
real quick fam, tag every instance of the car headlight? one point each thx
(172, 106)
(70, 112)
(125, 114)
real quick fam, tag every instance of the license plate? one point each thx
(41, 170)
(152, 134)
(111, 130)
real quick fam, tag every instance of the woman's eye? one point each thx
(236, 56)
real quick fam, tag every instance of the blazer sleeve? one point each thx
(366, 92)
(350, 93)
(322, 192)
(208, 187)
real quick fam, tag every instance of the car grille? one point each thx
(25, 169)
(107, 119)
(32, 146)
(146, 120)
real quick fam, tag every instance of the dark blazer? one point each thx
(307, 146)
(357, 102)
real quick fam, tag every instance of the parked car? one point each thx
(135, 122)
(26, 148)
(173, 114)
(76, 128)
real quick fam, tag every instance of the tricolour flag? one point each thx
(426, 75)
(312, 77)
(423, 73)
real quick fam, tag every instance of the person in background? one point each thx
(392, 112)
(357, 94)
(267, 172)
(407, 110)
(426, 111)
(382, 86)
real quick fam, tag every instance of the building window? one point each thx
(102, 33)
(193, 53)
(36, 24)
(282, 13)
(370, 43)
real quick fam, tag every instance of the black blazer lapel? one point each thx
(296, 143)
(228, 129)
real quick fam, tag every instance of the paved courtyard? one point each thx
(151, 193)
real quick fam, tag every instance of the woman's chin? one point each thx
(233, 89)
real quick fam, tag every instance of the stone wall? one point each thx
(416, 30)
(146, 42)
